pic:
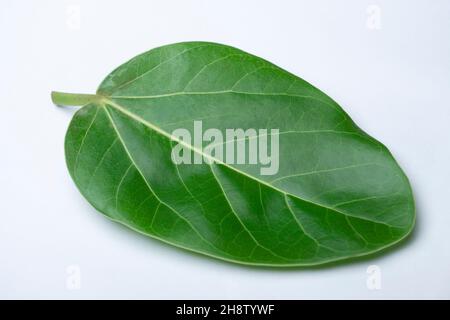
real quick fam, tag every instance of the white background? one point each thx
(393, 81)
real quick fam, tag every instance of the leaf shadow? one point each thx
(68, 111)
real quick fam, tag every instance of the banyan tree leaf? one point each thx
(338, 192)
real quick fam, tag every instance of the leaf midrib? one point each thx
(123, 110)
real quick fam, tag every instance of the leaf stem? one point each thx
(73, 99)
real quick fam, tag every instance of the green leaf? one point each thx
(338, 192)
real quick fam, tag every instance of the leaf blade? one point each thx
(334, 186)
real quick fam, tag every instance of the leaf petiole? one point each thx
(73, 99)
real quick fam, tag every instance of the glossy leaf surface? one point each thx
(338, 192)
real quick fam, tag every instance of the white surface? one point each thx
(394, 82)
